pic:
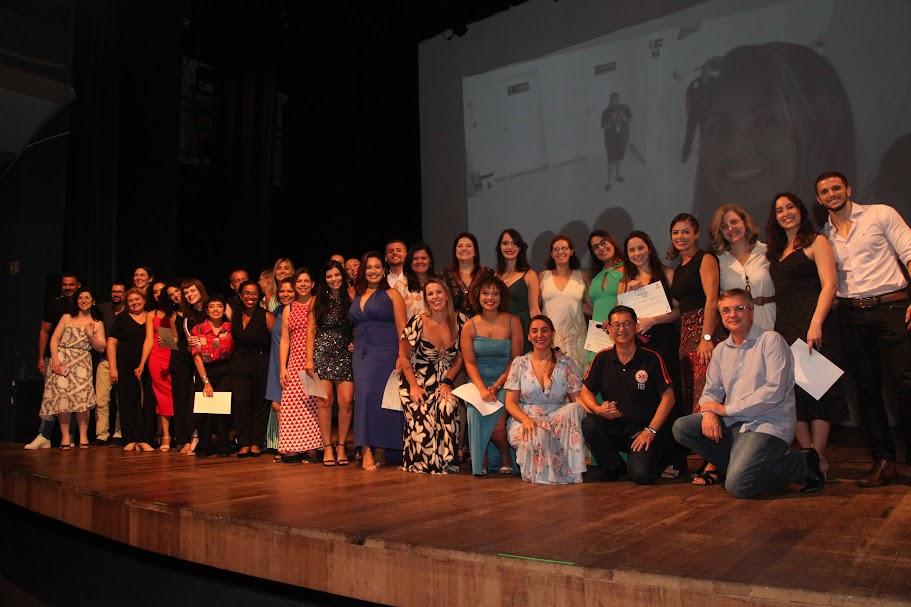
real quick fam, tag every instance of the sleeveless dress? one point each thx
(797, 281)
(72, 392)
(330, 347)
(518, 306)
(298, 423)
(602, 292)
(160, 370)
(491, 356)
(555, 453)
(564, 308)
(430, 427)
(376, 349)
(687, 290)
(273, 381)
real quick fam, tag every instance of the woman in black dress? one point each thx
(124, 352)
(462, 273)
(252, 333)
(332, 356)
(802, 265)
(191, 312)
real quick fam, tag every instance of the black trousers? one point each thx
(248, 397)
(869, 336)
(607, 437)
(208, 424)
(182, 388)
(137, 407)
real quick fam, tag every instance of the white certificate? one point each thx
(597, 338)
(648, 301)
(812, 371)
(470, 394)
(219, 403)
(312, 386)
(167, 337)
(392, 398)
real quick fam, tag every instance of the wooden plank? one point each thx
(400, 538)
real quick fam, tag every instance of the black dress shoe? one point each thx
(243, 455)
(202, 453)
(292, 458)
(882, 473)
(816, 480)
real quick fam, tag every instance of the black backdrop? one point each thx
(349, 155)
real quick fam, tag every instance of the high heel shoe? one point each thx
(165, 443)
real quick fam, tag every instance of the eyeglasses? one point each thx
(730, 310)
(626, 324)
(601, 245)
(560, 249)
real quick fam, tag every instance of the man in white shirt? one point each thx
(871, 243)
(747, 412)
(395, 261)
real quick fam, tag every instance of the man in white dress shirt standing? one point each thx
(396, 250)
(871, 243)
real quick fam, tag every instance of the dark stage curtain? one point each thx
(121, 206)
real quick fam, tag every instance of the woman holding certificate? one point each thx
(490, 342)
(607, 272)
(212, 349)
(298, 419)
(743, 262)
(802, 265)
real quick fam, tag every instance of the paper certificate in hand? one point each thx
(312, 386)
(812, 371)
(167, 337)
(597, 338)
(219, 403)
(647, 301)
(470, 394)
(392, 398)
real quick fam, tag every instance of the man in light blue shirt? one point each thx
(747, 415)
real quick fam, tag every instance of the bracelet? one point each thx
(652, 430)
(205, 380)
(448, 382)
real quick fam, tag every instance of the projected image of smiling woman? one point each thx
(780, 116)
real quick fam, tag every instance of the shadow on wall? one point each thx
(615, 220)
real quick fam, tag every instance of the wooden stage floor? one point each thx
(406, 539)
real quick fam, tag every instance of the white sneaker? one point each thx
(39, 443)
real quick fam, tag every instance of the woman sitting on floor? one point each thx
(541, 393)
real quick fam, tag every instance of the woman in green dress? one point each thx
(521, 281)
(607, 272)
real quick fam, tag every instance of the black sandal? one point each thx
(708, 477)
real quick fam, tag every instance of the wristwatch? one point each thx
(707, 337)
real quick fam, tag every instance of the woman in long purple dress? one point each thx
(378, 316)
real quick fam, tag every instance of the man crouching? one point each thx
(747, 415)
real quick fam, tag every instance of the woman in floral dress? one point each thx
(545, 428)
(430, 360)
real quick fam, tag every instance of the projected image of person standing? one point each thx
(615, 121)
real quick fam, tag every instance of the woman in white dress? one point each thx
(742, 261)
(563, 288)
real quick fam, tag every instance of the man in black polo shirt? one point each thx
(638, 397)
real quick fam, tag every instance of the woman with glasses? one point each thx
(563, 290)
(607, 272)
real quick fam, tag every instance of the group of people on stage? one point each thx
(387, 337)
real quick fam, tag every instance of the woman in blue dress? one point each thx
(378, 316)
(284, 296)
(490, 341)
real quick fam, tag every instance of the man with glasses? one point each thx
(747, 414)
(638, 397)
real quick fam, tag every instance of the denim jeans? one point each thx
(752, 462)
(869, 336)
